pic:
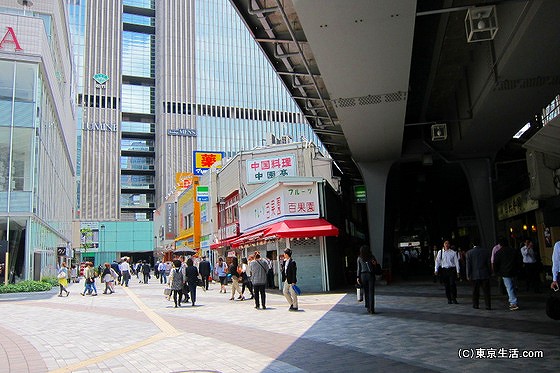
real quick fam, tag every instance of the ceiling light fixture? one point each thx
(481, 23)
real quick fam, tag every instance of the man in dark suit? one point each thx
(478, 271)
(289, 278)
(204, 270)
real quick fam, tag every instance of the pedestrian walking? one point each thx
(145, 268)
(220, 271)
(176, 281)
(89, 275)
(289, 278)
(365, 274)
(162, 269)
(478, 272)
(555, 265)
(125, 270)
(117, 270)
(531, 267)
(507, 263)
(108, 276)
(191, 273)
(205, 271)
(246, 277)
(63, 279)
(259, 270)
(447, 267)
(235, 272)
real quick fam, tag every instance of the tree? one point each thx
(86, 243)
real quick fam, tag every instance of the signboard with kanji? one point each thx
(261, 170)
(204, 160)
(516, 205)
(298, 200)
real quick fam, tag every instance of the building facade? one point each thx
(159, 80)
(37, 138)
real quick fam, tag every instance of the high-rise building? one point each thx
(161, 79)
(37, 137)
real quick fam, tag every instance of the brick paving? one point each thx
(138, 330)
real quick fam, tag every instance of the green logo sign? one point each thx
(100, 78)
(202, 194)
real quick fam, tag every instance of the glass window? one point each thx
(136, 200)
(137, 99)
(137, 127)
(6, 80)
(137, 19)
(21, 159)
(137, 56)
(137, 145)
(4, 158)
(148, 4)
(137, 163)
(137, 181)
(25, 82)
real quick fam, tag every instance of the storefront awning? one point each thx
(301, 228)
(222, 243)
(248, 237)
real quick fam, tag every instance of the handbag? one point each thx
(167, 292)
(61, 275)
(297, 290)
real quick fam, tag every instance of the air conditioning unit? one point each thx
(543, 174)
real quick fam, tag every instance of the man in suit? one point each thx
(204, 270)
(289, 278)
(478, 271)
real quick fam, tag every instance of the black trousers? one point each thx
(532, 276)
(485, 285)
(249, 285)
(270, 279)
(449, 277)
(367, 280)
(205, 280)
(258, 290)
(192, 291)
(177, 294)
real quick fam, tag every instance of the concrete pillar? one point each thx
(479, 177)
(375, 178)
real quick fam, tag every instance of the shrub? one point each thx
(26, 287)
(51, 280)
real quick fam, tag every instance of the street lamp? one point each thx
(102, 237)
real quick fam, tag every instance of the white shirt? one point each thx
(556, 261)
(124, 266)
(286, 266)
(528, 255)
(447, 259)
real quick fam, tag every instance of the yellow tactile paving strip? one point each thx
(166, 328)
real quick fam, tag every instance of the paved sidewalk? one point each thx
(138, 330)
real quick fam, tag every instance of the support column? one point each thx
(479, 177)
(375, 178)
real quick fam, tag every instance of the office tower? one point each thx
(160, 80)
(37, 138)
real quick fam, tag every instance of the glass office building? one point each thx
(159, 80)
(37, 139)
